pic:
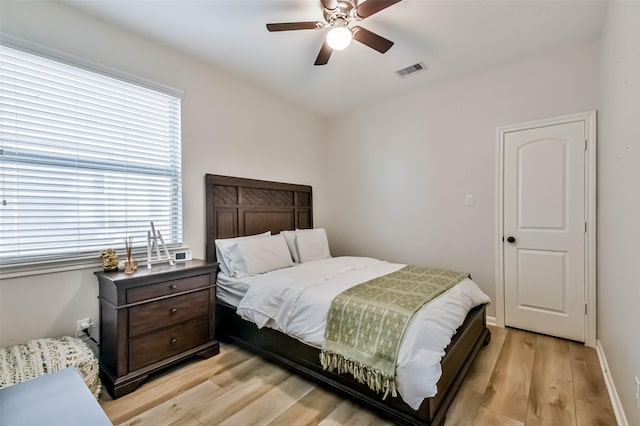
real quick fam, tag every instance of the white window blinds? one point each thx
(85, 160)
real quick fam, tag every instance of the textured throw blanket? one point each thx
(365, 323)
(33, 359)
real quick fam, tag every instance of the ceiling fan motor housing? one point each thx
(345, 12)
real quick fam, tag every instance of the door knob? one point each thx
(511, 239)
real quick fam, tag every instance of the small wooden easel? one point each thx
(152, 243)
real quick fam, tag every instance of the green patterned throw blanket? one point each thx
(366, 323)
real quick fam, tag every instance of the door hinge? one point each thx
(585, 144)
(585, 227)
(585, 309)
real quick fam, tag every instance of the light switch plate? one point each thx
(468, 200)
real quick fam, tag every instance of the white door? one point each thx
(544, 229)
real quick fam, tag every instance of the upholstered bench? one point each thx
(42, 356)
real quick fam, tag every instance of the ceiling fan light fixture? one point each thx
(338, 15)
(339, 37)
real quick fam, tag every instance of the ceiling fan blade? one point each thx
(290, 26)
(324, 54)
(370, 7)
(372, 40)
(330, 4)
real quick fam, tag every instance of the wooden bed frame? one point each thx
(237, 207)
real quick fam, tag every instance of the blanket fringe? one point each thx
(376, 380)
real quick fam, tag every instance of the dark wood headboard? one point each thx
(238, 206)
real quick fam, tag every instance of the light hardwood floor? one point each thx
(520, 378)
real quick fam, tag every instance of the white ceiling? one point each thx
(453, 38)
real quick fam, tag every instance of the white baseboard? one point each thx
(611, 387)
(491, 320)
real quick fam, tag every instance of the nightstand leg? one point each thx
(209, 352)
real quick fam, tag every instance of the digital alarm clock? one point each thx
(182, 256)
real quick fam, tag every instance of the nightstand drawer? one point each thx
(158, 346)
(166, 288)
(164, 313)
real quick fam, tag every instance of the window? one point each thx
(85, 160)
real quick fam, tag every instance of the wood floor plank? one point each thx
(592, 404)
(483, 366)
(273, 403)
(242, 393)
(178, 409)
(239, 373)
(507, 393)
(469, 397)
(170, 384)
(236, 387)
(465, 406)
(485, 417)
(227, 400)
(340, 415)
(593, 415)
(310, 410)
(551, 399)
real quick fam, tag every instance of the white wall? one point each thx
(229, 126)
(619, 200)
(399, 170)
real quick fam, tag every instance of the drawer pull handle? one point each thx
(173, 286)
(173, 311)
(173, 341)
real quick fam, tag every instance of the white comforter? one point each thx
(296, 301)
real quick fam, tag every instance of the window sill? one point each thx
(40, 268)
(65, 265)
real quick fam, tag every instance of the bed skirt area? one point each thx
(305, 360)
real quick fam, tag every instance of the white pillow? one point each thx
(312, 244)
(260, 255)
(290, 238)
(226, 251)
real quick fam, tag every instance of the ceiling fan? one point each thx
(338, 15)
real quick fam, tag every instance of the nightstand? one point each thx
(154, 318)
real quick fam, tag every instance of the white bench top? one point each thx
(56, 399)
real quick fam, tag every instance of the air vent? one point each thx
(411, 69)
